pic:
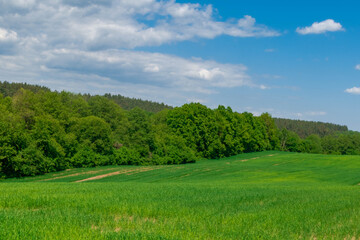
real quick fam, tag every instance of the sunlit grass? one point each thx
(269, 195)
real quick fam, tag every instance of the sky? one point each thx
(292, 59)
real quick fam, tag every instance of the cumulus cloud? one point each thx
(151, 68)
(92, 46)
(7, 35)
(247, 27)
(8, 41)
(95, 24)
(357, 67)
(155, 76)
(354, 90)
(328, 25)
(190, 75)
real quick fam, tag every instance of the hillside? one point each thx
(44, 131)
(307, 128)
(130, 103)
(275, 166)
(127, 103)
(267, 195)
(302, 128)
(8, 89)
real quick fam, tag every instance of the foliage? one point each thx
(126, 156)
(87, 157)
(222, 132)
(9, 89)
(130, 103)
(43, 131)
(93, 132)
(307, 128)
(30, 162)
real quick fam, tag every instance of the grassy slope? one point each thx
(272, 195)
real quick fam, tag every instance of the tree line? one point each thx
(46, 131)
(50, 131)
(127, 103)
(307, 128)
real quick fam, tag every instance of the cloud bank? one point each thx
(328, 25)
(92, 46)
(120, 23)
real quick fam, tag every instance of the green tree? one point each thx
(197, 125)
(93, 132)
(312, 144)
(272, 132)
(169, 148)
(139, 134)
(289, 141)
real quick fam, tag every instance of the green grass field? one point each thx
(268, 195)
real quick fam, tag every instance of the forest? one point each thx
(307, 128)
(127, 103)
(45, 131)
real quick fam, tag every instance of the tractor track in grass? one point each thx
(74, 175)
(126, 172)
(254, 158)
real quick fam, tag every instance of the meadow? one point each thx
(265, 195)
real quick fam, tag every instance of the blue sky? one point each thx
(293, 59)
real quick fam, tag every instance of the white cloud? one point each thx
(305, 115)
(89, 46)
(151, 68)
(354, 90)
(17, 4)
(121, 23)
(196, 100)
(210, 74)
(8, 42)
(247, 27)
(328, 25)
(7, 35)
(189, 75)
(316, 113)
(154, 76)
(357, 67)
